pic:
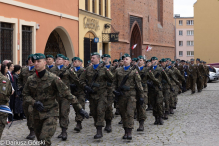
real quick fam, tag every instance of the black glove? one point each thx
(83, 113)
(172, 89)
(88, 89)
(61, 75)
(116, 93)
(39, 106)
(141, 101)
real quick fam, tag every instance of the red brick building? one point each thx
(145, 23)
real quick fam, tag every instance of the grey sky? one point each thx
(184, 7)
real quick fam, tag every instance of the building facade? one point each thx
(206, 30)
(30, 26)
(145, 23)
(184, 37)
(94, 22)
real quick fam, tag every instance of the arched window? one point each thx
(86, 5)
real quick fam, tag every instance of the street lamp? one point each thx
(176, 16)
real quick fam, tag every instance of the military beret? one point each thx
(154, 58)
(168, 59)
(106, 55)
(198, 59)
(81, 60)
(201, 61)
(182, 61)
(192, 60)
(49, 56)
(76, 58)
(163, 60)
(126, 55)
(38, 56)
(204, 62)
(30, 56)
(148, 60)
(187, 61)
(177, 59)
(115, 60)
(94, 53)
(134, 59)
(173, 62)
(60, 55)
(66, 58)
(140, 57)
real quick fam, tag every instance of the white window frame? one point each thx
(181, 33)
(180, 53)
(190, 43)
(190, 53)
(179, 43)
(190, 32)
(180, 22)
(190, 22)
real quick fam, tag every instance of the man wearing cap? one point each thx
(134, 61)
(145, 75)
(126, 94)
(188, 79)
(206, 74)
(121, 63)
(97, 77)
(200, 78)
(49, 62)
(185, 70)
(115, 62)
(28, 109)
(194, 73)
(78, 91)
(40, 91)
(66, 61)
(155, 93)
(68, 76)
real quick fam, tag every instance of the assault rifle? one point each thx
(67, 68)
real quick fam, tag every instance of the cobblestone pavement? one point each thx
(195, 122)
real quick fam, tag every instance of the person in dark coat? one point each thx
(18, 110)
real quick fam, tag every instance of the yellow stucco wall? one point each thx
(206, 30)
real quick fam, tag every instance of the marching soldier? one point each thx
(5, 92)
(145, 75)
(206, 74)
(121, 62)
(200, 78)
(28, 109)
(40, 91)
(134, 61)
(127, 80)
(194, 73)
(49, 62)
(188, 76)
(97, 77)
(66, 61)
(115, 62)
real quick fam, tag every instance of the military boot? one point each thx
(165, 117)
(117, 111)
(120, 122)
(125, 135)
(99, 132)
(193, 92)
(141, 125)
(160, 121)
(129, 133)
(150, 107)
(64, 134)
(108, 127)
(31, 136)
(78, 126)
(171, 111)
(156, 121)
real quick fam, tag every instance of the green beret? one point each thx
(126, 55)
(49, 56)
(134, 59)
(88, 62)
(81, 60)
(204, 62)
(106, 55)
(76, 58)
(30, 56)
(163, 60)
(94, 53)
(192, 60)
(66, 58)
(177, 59)
(182, 61)
(60, 55)
(198, 59)
(38, 56)
(168, 59)
(140, 57)
(148, 60)
(115, 60)
(173, 62)
(154, 58)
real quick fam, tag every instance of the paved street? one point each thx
(195, 122)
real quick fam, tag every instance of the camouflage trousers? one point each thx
(199, 83)
(127, 106)
(188, 82)
(64, 110)
(3, 122)
(98, 108)
(205, 81)
(28, 111)
(109, 107)
(192, 84)
(81, 100)
(141, 109)
(156, 98)
(45, 129)
(172, 99)
(176, 88)
(166, 95)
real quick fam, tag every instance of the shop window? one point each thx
(6, 41)
(100, 8)
(26, 43)
(86, 5)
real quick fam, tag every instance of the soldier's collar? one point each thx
(45, 76)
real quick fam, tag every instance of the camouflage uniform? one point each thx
(200, 78)
(5, 92)
(28, 109)
(45, 90)
(49, 68)
(194, 73)
(206, 76)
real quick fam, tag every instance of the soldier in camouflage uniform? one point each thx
(188, 77)
(206, 74)
(145, 75)
(127, 94)
(68, 76)
(49, 62)
(5, 92)
(155, 94)
(194, 73)
(96, 88)
(28, 109)
(115, 62)
(40, 91)
(200, 78)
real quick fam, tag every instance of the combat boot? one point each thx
(64, 134)
(78, 126)
(129, 133)
(99, 132)
(150, 107)
(156, 121)
(117, 111)
(120, 122)
(193, 92)
(160, 121)
(141, 125)
(108, 127)
(165, 117)
(171, 111)
(125, 135)
(31, 136)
